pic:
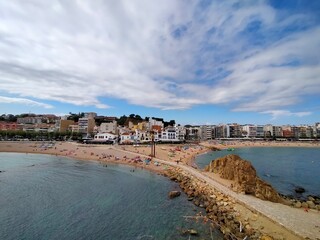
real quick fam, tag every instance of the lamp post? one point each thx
(153, 145)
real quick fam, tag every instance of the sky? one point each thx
(198, 62)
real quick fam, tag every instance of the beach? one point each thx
(182, 157)
(219, 144)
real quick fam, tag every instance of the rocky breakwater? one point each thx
(219, 207)
(243, 176)
(312, 202)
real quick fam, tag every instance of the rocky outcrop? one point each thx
(244, 176)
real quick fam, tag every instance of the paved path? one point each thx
(304, 224)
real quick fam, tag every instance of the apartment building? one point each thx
(86, 125)
(65, 124)
(233, 130)
(249, 131)
(109, 127)
(260, 131)
(192, 132)
(29, 120)
(206, 132)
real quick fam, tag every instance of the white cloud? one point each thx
(148, 54)
(284, 113)
(24, 101)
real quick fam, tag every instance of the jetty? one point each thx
(304, 224)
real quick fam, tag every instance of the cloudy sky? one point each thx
(198, 62)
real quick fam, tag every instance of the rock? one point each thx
(226, 231)
(254, 217)
(196, 202)
(266, 237)
(244, 177)
(298, 205)
(214, 209)
(190, 193)
(174, 194)
(311, 204)
(318, 207)
(310, 198)
(173, 178)
(304, 205)
(287, 202)
(193, 232)
(248, 226)
(299, 189)
(213, 196)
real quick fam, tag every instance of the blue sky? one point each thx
(198, 62)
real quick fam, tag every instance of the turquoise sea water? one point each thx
(49, 197)
(283, 167)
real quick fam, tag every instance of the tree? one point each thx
(75, 117)
(11, 118)
(170, 123)
(138, 117)
(121, 121)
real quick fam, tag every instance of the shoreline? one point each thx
(220, 145)
(167, 153)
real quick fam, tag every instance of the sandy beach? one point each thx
(219, 144)
(175, 155)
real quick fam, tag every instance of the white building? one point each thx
(110, 127)
(105, 137)
(249, 131)
(154, 122)
(268, 130)
(127, 138)
(172, 134)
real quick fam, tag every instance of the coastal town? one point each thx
(133, 129)
(238, 208)
(160, 120)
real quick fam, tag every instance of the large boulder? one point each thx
(244, 176)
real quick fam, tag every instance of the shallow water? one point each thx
(49, 197)
(283, 167)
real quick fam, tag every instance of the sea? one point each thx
(285, 168)
(53, 197)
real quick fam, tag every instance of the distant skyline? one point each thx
(198, 62)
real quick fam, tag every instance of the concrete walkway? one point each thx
(304, 224)
(296, 220)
